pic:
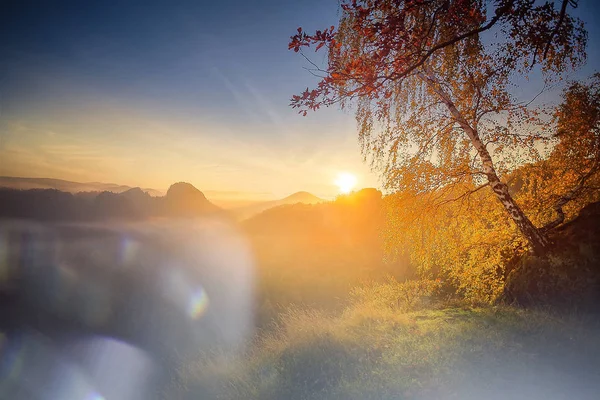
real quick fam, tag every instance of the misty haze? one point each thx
(300, 200)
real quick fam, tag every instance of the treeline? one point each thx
(182, 199)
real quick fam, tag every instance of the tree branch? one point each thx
(563, 13)
(464, 195)
(570, 196)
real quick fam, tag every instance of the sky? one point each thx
(147, 93)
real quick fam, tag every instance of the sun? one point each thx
(346, 182)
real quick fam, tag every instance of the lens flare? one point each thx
(198, 303)
(129, 250)
(4, 261)
(94, 396)
(119, 370)
(30, 363)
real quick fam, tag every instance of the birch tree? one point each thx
(432, 83)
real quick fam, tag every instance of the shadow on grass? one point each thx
(457, 353)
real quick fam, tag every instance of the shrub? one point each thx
(563, 280)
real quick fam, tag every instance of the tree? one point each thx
(431, 82)
(577, 154)
(474, 252)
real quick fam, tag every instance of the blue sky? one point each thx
(149, 93)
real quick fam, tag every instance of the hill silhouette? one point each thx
(136, 195)
(348, 214)
(67, 186)
(301, 197)
(182, 200)
(311, 254)
(256, 208)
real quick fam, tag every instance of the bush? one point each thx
(561, 280)
(569, 276)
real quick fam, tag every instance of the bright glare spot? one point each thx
(94, 396)
(129, 250)
(346, 182)
(198, 303)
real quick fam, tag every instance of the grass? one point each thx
(377, 352)
(334, 340)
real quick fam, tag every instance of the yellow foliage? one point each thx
(465, 243)
(468, 239)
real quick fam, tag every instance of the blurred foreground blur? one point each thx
(108, 311)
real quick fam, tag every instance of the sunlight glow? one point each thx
(345, 182)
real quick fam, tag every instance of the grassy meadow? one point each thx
(338, 320)
(373, 351)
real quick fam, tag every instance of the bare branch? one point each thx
(563, 13)
(570, 196)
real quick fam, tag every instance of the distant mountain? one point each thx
(301, 197)
(136, 195)
(352, 215)
(253, 209)
(182, 200)
(67, 186)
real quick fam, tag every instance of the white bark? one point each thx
(538, 241)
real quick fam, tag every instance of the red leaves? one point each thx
(312, 100)
(385, 41)
(320, 38)
(309, 99)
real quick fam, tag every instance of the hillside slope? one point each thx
(570, 277)
(256, 208)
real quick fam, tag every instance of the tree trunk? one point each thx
(537, 240)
